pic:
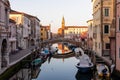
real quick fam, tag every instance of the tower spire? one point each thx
(63, 22)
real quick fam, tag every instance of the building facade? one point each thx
(4, 33)
(72, 32)
(117, 35)
(34, 33)
(23, 24)
(28, 29)
(45, 33)
(90, 34)
(12, 36)
(102, 23)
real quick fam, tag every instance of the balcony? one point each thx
(4, 32)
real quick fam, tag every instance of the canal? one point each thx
(56, 69)
(64, 69)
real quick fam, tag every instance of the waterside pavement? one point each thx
(18, 56)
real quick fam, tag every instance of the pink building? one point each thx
(118, 35)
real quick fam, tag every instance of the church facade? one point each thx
(72, 32)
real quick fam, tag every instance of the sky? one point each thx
(75, 12)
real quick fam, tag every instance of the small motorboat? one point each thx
(85, 68)
(36, 62)
(44, 53)
(81, 76)
(85, 64)
(103, 70)
(53, 50)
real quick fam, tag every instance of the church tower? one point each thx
(63, 23)
(63, 26)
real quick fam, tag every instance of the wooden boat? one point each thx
(86, 76)
(65, 55)
(53, 50)
(103, 70)
(36, 62)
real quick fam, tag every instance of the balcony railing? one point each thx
(4, 32)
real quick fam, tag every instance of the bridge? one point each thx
(52, 41)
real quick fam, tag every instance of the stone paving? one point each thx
(20, 55)
(16, 57)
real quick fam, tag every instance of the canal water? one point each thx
(56, 69)
(64, 69)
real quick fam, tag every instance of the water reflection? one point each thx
(55, 69)
(35, 72)
(62, 49)
(83, 76)
(49, 58)
(23, 74)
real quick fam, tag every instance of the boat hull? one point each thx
(101, 73)
(85, 69)
(36, 62)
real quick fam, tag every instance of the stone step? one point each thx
(99, 60)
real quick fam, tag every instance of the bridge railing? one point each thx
(52, 41)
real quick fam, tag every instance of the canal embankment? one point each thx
(15, 62)
(100, 59)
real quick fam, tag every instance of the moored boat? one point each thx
(36, 62)
(84, 68)
(103, 70)
(85, 64)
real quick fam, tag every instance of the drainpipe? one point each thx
(115, 17)
(102, 26)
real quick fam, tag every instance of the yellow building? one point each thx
(45, 32)
(102, 21)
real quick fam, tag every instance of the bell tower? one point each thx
(63, 26)
(63, 22)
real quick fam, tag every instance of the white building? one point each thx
(23, 28)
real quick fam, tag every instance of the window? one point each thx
(119, 52)
(107, 46)
(106, 28)
(96, 44)
(6, 16)
(99, 45)
(106, 11)
(41, 39)
(0, 11)
(119, 24)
